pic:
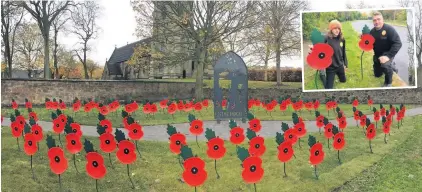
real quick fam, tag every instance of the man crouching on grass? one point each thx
(387, 44)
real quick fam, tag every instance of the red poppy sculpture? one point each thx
(366, 43)
(216, 149)
(321, 56)
(14, 104)
(177, 139)
(355, 102)
(328, 131)
(385, 128)
(194, 173)
(252, 167)
(36, 130)
(32, 114)
(58, 161)
(256, 143)
(299, 126)
(126, 151)
(107, 142)
(73, 139)
(136, 133)
(94, 167)
(16, 129)
(237, 135)
(319, 121)
(316, 153)
(356, 116)
(370, 132)
(59, 122)
(289, 133)
(370, 101)
(30, 146)
(377, 116)
(196, 127)
(285, 150)
(339, 141)
(28, 104)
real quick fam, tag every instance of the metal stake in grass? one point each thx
(284, 168)
(316, 77)
(111, 163)
(316, 172)
(32, 170)
(17, 142)
(385, 138)
(361, 68)
(338, 156)
(133, 186)
(60, 183)
(137, 149)
(74, 163)
(370, 147)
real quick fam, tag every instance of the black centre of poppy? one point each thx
(106, 126)
(370, 130)
(126, 151)
(194, 170)
(316, 153)
(21, 122)
(366, 42)
(255, 125)
(73, 142)
(285, 150)
(36, 132)
(216, 147)
(257, 146)
(95, 163)
(300, 129)
(329, 130)
(321, 55)
(16, 129)
(135, 131)
(57, 125)
(74, 130)
(338, 140)
(57, 159)
(178, 142)
(107, 141)
(237, 134)
(290, 136)
(30, 143)
(196, 126)
(252, 168)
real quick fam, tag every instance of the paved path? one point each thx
(159, 132)
(402, 57)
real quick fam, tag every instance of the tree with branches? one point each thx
(84, 18)
(45, 12)
(58, 25)
(11, 17)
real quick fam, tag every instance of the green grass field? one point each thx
(353, 73)
(162, 118)
(158, 169)
(401, 23)
(225, 83)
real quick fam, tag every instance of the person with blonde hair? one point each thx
(335, 39)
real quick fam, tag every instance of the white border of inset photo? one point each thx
(355, 89)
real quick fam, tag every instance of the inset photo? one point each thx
(358, 50)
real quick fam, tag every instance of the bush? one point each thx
(287, 75)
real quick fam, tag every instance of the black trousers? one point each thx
(386, 69)
(331, 74)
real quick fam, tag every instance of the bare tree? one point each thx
(84, 18)
(45, 13)
(11, 17)
(91, 66)
(29, 44)
(58, 25)
(415, 38)
(198, 23)
(284, 24)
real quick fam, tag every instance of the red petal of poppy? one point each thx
(237, 135)
(16, 129)
(107, 124)
(176, 142)
(257, 146)
(135, 131)
(194, 173)
(107, 142)
(30, 146)
(285, 151)
(216, 149)
(252, 170)
(370, 132)
(317, 154)
(126, 153)
(58, 162)
(95, 165)
(320, 58)
(339, 141)
(38, 133)
(74, 144)
(366, 42)
(196, 127)
(255, 125)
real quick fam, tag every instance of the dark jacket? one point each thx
(387, 41)
(339, 57)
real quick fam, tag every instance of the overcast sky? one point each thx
(118, 25)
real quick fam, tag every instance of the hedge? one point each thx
(287, 75)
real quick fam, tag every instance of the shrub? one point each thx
(287, 75)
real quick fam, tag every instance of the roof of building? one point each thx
(122, 54)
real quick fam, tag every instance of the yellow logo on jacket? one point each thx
(341, 44)
(383, 32)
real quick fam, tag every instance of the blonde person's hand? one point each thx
(384, 59)
(310, 48)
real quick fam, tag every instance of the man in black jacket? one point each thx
(387, 44)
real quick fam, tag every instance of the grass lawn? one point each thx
(353, 73)
(162, 118)
(396, 23)
(251, 84)
(157, 170)
(399, 172)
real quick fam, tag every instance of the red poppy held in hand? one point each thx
(126, 153)
(30, 146)
(74, 144)
(257, 146)
(366, 42)
(135, 131)
(58, 162)
(194, 173)
(255, 125)
(196, 127)
(285, 151)
(321, 56)
(107, 142)
(95, 167)
(237, 135)
(317, 154)
(252, 170)
(216, 149)
(339, 141)
(176, 142)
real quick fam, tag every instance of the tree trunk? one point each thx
(419, 70)
(278, 55)
(7, 55)
(84, 63)
(47, 74)
(55, 55)
(199, 55)
(267, 56)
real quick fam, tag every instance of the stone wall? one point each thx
(37, 90)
